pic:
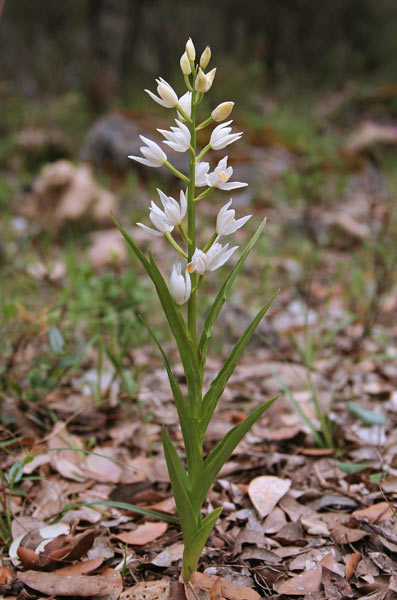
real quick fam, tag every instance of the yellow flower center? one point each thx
(223, 175)
(190, 268)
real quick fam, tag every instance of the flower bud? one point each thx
(190, 49)
(203, 81)
(222, 111)
(205, 58)
(185, 64)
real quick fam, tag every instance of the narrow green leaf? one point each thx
(195, 544)
(189, 359)
(352, 468)
(223, 294)
(190, 435)
(115, 504)
(56, 340)
(178, 327)
(217, 387)
(189, 519)
(215, 461)
(366, 416)
(316, 434)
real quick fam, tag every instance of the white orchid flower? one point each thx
(217, 255)
(174, 212)
(211, 260)
(198, 263)
(154, 155)
(201, 176)
(180, 286)
(222, 111)
(159, 220)
(204, 81)
(221, 136)
(220, 176)
(185, 102)
(168, 96)
(226, 223)
(178, 138)
(172, 215)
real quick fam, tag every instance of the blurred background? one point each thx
(316, 95)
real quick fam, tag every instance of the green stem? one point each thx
(174, 244)
(204, 194)
(183, 233)
(205, 123)
(203, 151)
(187, 82)
(182, 112)
(175, 171)
(210, 242)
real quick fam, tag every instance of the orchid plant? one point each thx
(191, 481)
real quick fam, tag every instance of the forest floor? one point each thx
(309, 496)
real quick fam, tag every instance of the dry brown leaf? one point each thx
(6, 576)
(345, 535)
(275, 521)
(216, 590)
(143, 534)
(102, 468)
(368, 134)
(115, 582)
(307, 582)
(168, 556)
(377, 513)
(266, 491)
(81, 568)
(54, 584)
(229, 590)
(351, 564)
(148, 590)
(335, 586)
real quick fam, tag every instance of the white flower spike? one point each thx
(154, 155)
(221, 136)
(220, 176)
(205, 58)
(178, 138)
(226, 223)
(180, 286)
(185, 102)
(211, 260)
(167, 96)
(201, 177)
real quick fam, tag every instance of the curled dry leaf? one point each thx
(266, 491)
(143, 534)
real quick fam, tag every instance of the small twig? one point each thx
(371, 528)
(330, 486)
(2, 2)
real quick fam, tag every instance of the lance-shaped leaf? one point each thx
(174, 318)
(182, 337)
(195, 544)
(188, 519)
(217, 386)
(189, 432)
(218, 457)
(223, 294)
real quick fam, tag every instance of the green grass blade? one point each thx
(218, 457)
(316, 435)
(188, 519)
(223, 294)
(190, 435)
(217, 387)
(115, 504)
(195, 544)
